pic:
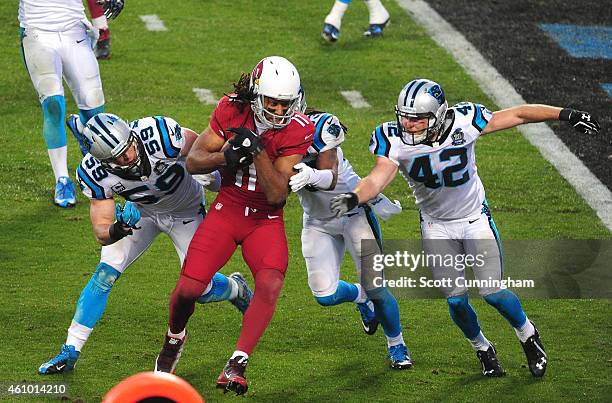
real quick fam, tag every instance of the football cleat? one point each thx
(63, 362)
(368, 317)
(400, 357)
(65, 195)
(376, 30)
(242, 301)
(330, 33)
(76, 127)
(232, 377)
(489, 362)
(536, 356)
(169, 355)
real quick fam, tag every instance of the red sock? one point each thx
(94, 9)
(268, 285)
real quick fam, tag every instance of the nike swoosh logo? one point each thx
(187, 221)
(307, 137)
(271, 217)
(60, 367)
(80, 40)
(473, 221)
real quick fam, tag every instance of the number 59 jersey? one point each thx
(442, 175)
(167, 188)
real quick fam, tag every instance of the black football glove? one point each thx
(112, 8)
(580, 120)
(343, 203)
(243, 147)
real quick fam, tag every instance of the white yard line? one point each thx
(205, 96)
(355, 99)
(153, 23)
(504, 95)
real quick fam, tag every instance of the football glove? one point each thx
(127, 217)
(582, 121)
(302, 178)
(112, 8)
(243, 147)
(343, 203)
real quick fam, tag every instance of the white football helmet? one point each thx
(108, 137)
(277, 78)
(420, 99)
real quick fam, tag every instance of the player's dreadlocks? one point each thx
(242, 94)
(312, 111)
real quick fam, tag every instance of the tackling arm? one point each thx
(518, 115)
(102, 215)
(189, 138)
(205, 155)
(328, 160)
(381, 175)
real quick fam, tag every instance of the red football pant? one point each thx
(264, 248)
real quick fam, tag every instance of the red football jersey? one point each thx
(242, 186)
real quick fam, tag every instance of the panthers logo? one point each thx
(436, 92)
(334, 130)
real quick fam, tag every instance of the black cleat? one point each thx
(489, 362)
(169, 355)
(536, 356)
(369, 320)
(232, 377)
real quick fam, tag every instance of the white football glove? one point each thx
(385, 208)
(211, 181)
(302, 178)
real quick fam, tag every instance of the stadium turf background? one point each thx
(308, 353)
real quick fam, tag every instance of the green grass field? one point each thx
(309, 353)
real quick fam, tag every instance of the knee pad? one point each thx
(91, 96)
(54, 110)
(103, 278)
(49, 85)
(268, 284)
(322, 282)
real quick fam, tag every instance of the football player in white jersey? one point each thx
(56, 41)
(143, 162)
(323, 174)
(433, 148)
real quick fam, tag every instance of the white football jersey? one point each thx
(328, 135)
(168, 188)
(50, 15)
(442, 175)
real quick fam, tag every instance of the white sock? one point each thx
(180, 335)
(335, 15)
(59, 161)
(234, 289)
(100, 23)
(237, 353)
(526, 331)
(394, 341)
(480, 342)
(378, 12)
(361, 295)
(77, 335)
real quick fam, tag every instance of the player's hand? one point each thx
(302, 178)
(343, 203)
(582, 121)
(128, 216)
(243, 147)
(112, 8)
(211, 181)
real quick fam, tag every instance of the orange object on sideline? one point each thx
(153, 384)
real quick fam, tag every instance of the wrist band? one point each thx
(565, 113)
(116, 231)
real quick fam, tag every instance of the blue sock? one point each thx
(220, 290)
(386, 310)
(86, 114)
(508, 304)
(92, 301)
(54, 111)
(464, 315)
(346, 292)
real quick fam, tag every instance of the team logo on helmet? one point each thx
(436, 92)
(256, 74)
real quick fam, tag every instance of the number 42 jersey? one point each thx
(442, 175)
(167, 188)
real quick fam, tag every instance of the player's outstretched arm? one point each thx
(324, 177)
(112, 222)
(532, 113)
(368, 188)
(274, 178)
(205, 156)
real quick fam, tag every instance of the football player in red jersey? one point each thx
(255, 137)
